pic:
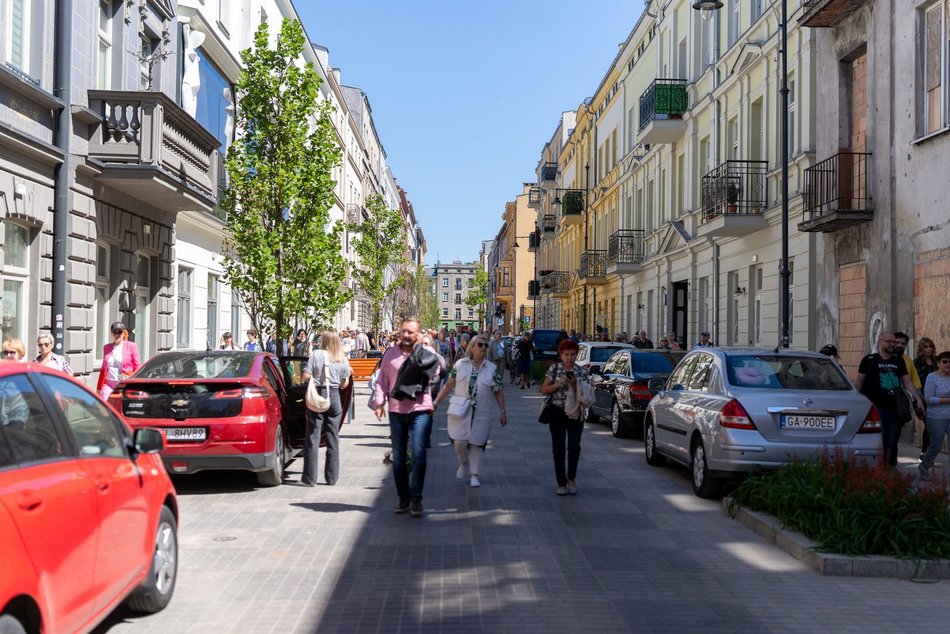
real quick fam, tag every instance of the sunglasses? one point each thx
(43, 344)
(945, 361)
(481, 345)
(10, 353)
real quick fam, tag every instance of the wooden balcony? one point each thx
(625, 251)
(836, 193)
(734, 199)
(153, 150)
(662, 106)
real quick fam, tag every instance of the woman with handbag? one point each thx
(566, 392)
(474, 382)
(120, 360)
(327, 371)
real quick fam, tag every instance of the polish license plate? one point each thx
(809, 423)
(185, 434)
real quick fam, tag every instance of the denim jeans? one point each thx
(560, 427)
(939, 429)
(890, 434)
(410, 432)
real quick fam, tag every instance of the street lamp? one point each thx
(557, 202)
(708, 6)
(534, 300)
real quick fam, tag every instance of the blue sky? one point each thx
(465, 94)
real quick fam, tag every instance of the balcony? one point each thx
(625, 251)
(549, 175)
(557, 283)
(827, 13)
(734, 198)
(535, 197)
(534, 240)
(836, 193)
(662, 106)
(354, 214)
(534, 289)
(571, 203)
(593, 267)
(548, 223)
(153, 150)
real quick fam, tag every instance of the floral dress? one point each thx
(480, 385)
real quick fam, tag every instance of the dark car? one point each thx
(545, 342)
(621, 389)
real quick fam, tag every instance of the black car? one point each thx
(621, 392)
(545, 342)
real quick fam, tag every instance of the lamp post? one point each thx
(708, 6)
(557, 202)
(514, 247)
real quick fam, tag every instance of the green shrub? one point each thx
(853, 507)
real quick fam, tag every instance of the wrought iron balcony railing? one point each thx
(664, 99)
(535, 196)
(534, 240)
(548, 223)
(838, 186)
(735, 187)
(549, 172)
(556, 282)
(626, 246)
(593, 264)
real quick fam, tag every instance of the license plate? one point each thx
(185, 434)
(809, 423)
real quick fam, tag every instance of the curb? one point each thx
(832, 565)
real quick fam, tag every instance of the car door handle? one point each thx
(29, 502)
(102, 485)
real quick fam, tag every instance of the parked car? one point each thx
(594, 354)
(724, 412)
(544, 343)
(221, 409)
(88, 515)
(621, 387)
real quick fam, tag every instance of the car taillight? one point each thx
(734, 416)
(136, 395)
(872, 422)
(242, 392)
(639, 392)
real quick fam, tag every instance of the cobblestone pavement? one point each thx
(634, 551)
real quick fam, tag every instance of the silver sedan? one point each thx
(728, 411)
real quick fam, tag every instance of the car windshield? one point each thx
(650, 362)
(785, 372)
(545, 339)
(198, 365)
(601, 354)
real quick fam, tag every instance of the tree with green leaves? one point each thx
(380, 243)
(421, 300)
(477, 297)
(282, 252)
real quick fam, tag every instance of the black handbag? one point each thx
(544, 416)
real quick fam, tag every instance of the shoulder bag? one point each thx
(544, 416)
(459, 405)
(317, 403)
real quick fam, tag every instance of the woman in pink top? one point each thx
(120, 359)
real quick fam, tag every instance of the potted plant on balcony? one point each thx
(732, 198)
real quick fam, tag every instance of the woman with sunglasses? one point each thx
(46, 356)
(13, 350)
(476, 378)
(120, 360)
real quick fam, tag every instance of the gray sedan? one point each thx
(729, 411)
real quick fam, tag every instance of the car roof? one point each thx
(749, 350)
(605, 344)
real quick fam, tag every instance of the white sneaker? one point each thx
(460, 474)
(474, 481)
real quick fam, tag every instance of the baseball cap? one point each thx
(829, 350)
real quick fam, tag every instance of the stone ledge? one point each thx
(831, 565)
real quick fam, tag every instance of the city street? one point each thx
(634, 551)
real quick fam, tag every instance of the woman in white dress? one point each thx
(478, 379)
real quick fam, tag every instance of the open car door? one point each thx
(292, 369)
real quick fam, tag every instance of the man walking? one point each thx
(704, 341)
(881, 375)
(410, 421)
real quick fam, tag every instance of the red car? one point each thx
(221, 409)
(88, 515)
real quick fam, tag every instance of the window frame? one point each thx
(19, 276)
(942, 7)
(185, 284)
(9, 53)
(105, 38)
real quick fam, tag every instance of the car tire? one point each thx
(618, 426)
(275, 475)
(157, 589)
(591, 416)
(654, 459)
(704, 485)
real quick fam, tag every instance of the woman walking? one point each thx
(46, 356)
(937, 397)
(120, 360)
(561, 384)
(476, 378)
(524, 360)
(327, 365)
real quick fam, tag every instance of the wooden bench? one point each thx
(363, 368)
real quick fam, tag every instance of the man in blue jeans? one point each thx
(410, 421)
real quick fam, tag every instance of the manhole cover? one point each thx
(225, 538)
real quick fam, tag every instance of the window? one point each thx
(733, 21)
(936, 48)
(699, 379)
(145, 68)
(143, 282)
(733, 314)
(445, 312)
(757, 308)
(471, 313)
(104, 58)
(706, 307)
(92, 424)
(445, 282)
(103, 295)
(791, 301)
(681, 185)
(17, 14)
(786, 372)
(236, 315)
(458, 298)
(734, 138)
(445, 297)
(184, 307)
(458, 283)
(792, 111)
(224, 16)
(16, 257)
(707, 33)
(214, 292)
(214, 101)
(26, 429)
(756, 9)
(458, 313)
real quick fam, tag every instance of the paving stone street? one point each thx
(634, 551)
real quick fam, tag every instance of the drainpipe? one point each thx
(716, 295)
(62, 203)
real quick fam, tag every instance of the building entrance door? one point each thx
(680, 311)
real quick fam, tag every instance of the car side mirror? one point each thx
(148, 440)
(655, 385)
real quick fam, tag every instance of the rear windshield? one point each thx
(649, 362)
(600, 355)
(785, 372)
(547, 339)
(198, 365)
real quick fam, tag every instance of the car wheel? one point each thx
(617, 424)
(654, 459)
(275, 475)
(156, 591)
(591, 416)
(704, 485)
(10, 625)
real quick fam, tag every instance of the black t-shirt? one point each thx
(882, 379)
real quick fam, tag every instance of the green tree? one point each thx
(477, 297)
(425, 302)
(380, 243)
(282, 252)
